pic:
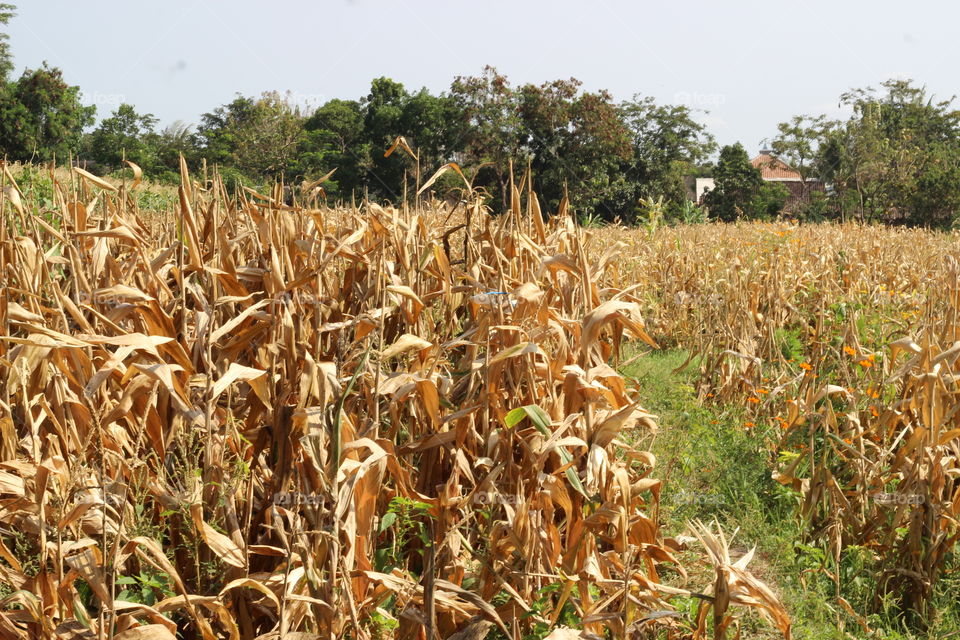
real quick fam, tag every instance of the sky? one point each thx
(745, 66)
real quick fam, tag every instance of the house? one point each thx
(772, 169)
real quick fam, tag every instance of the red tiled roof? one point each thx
(773, 169)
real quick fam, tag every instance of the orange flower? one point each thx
(806, 366)
(850, 351)
(753, 400)
(874, 412)
(762, 391)
(865, 364)
(749, 425)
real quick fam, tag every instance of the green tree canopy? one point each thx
(668, 144)
(352, 137)
(576, 143)
(896, 158)
(491, 134)
(334, 139)
(6, 56)
(797, 144)
(41, 116)
(125, 135)
(257, 136)
(174, 140)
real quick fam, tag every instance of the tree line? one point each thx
(895, 158)
(606, 157)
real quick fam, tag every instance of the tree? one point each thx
(491, 135)
(383, 110)
(173, 141)
(607, 156)
(546, 136)
(576, 143)
(6, 57)
(898, 156)
(334, 139)
(434, 126)
(740, 191)
(259, 137)
(125, 135)
(668, 144)
(41, 116)
(797, 143)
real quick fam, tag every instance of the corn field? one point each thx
(841, 344)
(243, 419)
(240, 419)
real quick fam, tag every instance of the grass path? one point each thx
(714, 465)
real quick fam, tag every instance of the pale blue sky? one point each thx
(751, 64)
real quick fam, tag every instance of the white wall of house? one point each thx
(703, 185)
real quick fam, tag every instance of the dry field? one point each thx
(235, 419)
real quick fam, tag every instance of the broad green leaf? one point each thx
(541, 421)
(387, 521)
